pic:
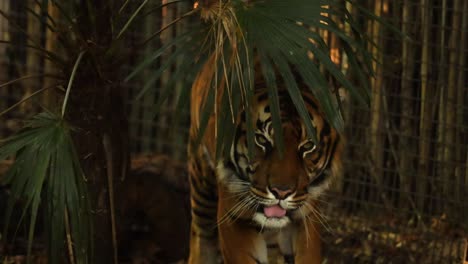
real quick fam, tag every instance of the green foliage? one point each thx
(46, 175)
(47, 172)
(283, 38)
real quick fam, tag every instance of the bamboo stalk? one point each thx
(335, 45)
(179, 138)
(375, 106)
(405, 197)
(463, 186)
(4, 35)
(325, 35)
(443, 188)
(461, 97)
(168, 15)
(4, 25)
(426, 106)
(33, 60)
(349, 187)
(137, 123)
(145, 111)
(337, 57)
(376, 137)
(406, 126)
(347, 29)
(451, 107)
(51, 44)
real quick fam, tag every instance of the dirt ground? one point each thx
(154, 219)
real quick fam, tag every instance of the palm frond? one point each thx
(70, 81)
(46, 165)
(132, 17)
(283, 37)
(25, 99)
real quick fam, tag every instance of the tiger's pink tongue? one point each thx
(274, 211)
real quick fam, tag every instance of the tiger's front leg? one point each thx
(240, 242)
(242, 245)
(203, 250)
(307, 243)
(204, 234)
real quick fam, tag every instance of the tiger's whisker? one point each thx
(239, 206)
(304, 220)
(229, 213)
(320, 217)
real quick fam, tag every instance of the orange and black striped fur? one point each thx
(239, 205)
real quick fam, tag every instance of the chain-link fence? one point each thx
(402, 198)
(405, 182)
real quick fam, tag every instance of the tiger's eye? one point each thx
(261, 139)
(308, 146)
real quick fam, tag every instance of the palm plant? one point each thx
(85, 130)
(77, 145)
(277, 40)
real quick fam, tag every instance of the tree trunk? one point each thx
(97, 108)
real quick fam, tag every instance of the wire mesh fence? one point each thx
(402, 198)
(405, 177)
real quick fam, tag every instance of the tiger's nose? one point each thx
(281, 192)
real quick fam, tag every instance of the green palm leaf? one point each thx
(281, 35)
(46, 165)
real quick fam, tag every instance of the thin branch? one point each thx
(23, 100)
(29, 77)
(130, 20)
(44, 10)
(72, 77)
(71, 23)
(38, 16)
(19, 28)
(121, 9)
(49, 55)
(71, 255)
(110, 182)
(167, 26)
(161, 6)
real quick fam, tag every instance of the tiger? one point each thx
(241, 206)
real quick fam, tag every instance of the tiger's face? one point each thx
(274, 188)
